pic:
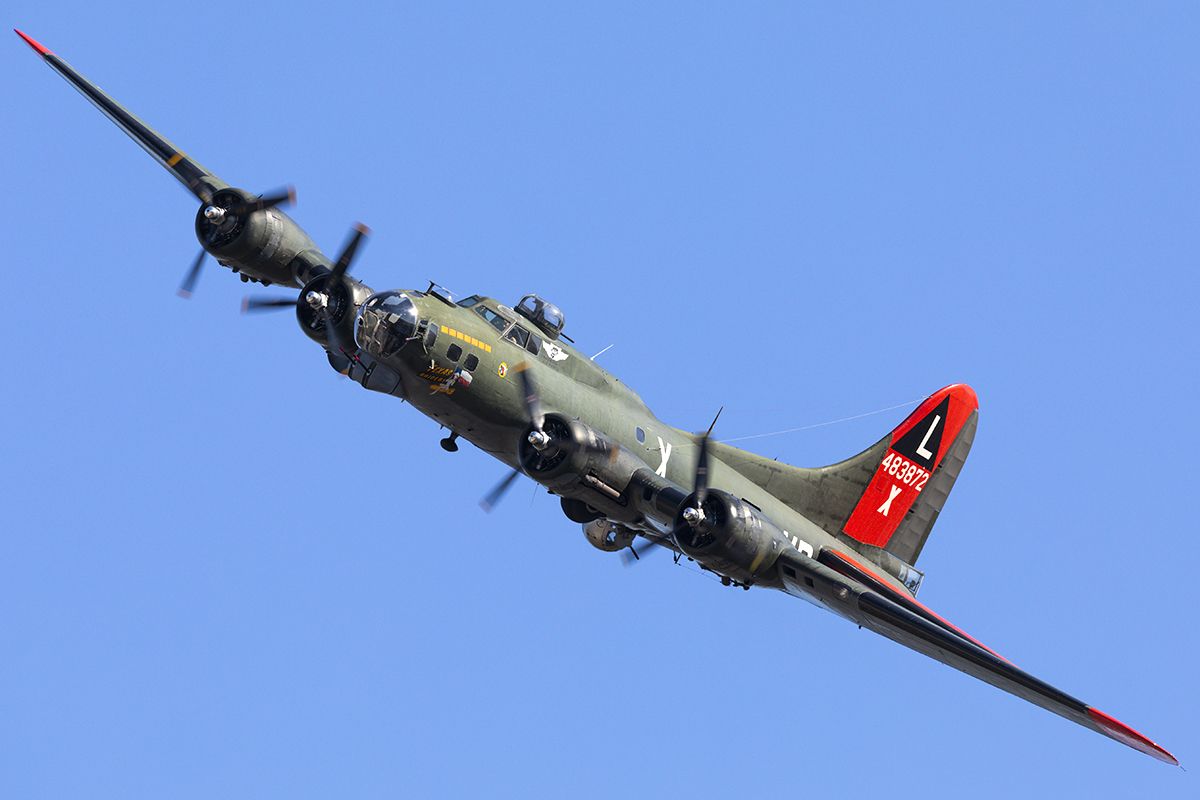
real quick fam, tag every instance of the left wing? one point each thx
(854, 591)
(198, 180)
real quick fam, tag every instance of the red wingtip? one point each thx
(1126, 735)
(34, 43)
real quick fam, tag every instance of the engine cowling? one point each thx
(264, 245)
(340, 299)
(577, 461)
(575, 450)
(729, 535)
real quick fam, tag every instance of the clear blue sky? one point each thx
(226, 572)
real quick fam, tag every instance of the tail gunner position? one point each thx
(506, 379)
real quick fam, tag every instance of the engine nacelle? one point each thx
(576, 450)
(582, 463)
(322, 300)
(608, 536)
(266, 246)
(731, 536)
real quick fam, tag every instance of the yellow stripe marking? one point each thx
(466, 338)
(175, 159)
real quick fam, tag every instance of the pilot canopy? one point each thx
(546, 316)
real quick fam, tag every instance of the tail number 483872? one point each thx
(904, 471)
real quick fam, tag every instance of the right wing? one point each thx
(854, 591)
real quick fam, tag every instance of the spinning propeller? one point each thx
(538, 438)
(693, 515)
(216, 216)
(321, 293)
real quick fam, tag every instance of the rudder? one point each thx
(914, 475)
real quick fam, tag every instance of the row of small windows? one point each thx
(791, 573)
(454, 352)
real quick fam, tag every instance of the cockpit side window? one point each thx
(468, 302)
(498, 322)
(534, 345)
(519, 335)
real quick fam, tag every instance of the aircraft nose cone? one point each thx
(385, 323)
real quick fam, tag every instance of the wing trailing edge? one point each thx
(872, 602)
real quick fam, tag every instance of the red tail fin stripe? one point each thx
(891, 492)
(964, 398)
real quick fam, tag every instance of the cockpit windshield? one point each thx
(546, 316)
(440, 292)
(494, 319)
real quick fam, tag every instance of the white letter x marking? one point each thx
(883, 509)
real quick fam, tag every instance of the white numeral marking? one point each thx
(883, 509)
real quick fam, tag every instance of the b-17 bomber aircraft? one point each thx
(508, 380)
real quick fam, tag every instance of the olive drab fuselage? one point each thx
(459, 369)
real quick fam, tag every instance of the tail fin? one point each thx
(910, 481)
(887, 497)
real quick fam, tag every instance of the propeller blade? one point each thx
(193, 273)
(344, 260)
(335, 341)
(700, 488)
(266, 303)
(533, 405)
(494, 496)
(264, 202)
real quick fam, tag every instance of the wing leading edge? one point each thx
(856, 592)
(198, 180)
